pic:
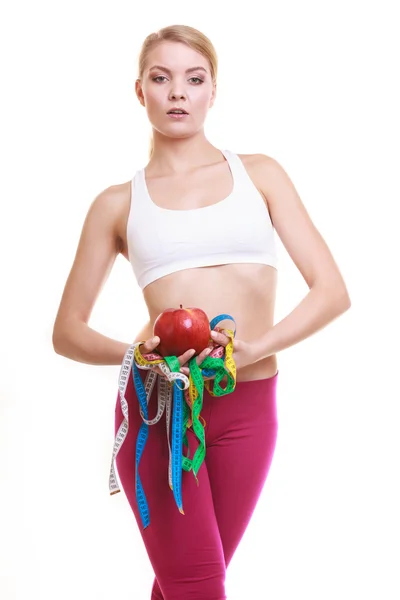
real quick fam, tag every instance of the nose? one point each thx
(174, 94)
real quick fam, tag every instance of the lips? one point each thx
(177, 111)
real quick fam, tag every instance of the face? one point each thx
(175, 76)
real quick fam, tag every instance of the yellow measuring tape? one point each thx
(181, 397)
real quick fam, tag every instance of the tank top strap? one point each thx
(238, 170)
(138, 191)
(138, 183)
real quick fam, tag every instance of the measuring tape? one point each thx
(185, 404)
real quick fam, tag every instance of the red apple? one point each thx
(181, 329)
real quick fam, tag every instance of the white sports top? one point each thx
(237, 229)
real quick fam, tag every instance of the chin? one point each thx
(177, 131)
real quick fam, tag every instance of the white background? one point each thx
(312, 84)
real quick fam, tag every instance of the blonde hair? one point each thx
(193, 38)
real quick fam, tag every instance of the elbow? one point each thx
(340, 299)
(348, 301)
(335, 296)
(344, 303)
(59, 340)
(56, 341)
(343, 296)
(66, 333)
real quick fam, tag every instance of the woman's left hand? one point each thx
(243, 352)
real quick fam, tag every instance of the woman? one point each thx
(198, 225)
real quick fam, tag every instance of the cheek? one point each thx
(203, 99)
(152, 98)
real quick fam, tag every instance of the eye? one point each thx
(158, 77)
(198, 79)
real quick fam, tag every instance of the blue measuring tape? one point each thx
(133, 361)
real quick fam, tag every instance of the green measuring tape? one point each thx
(185, 407)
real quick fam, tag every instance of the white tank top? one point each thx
(237, 229)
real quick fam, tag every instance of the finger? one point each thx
(219, 338)
(203, 355)
(149, 345)
(184, 358)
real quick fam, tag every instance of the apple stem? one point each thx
(180, 305)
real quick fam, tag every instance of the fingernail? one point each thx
(214, 334)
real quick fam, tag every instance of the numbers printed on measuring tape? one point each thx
(182, 399)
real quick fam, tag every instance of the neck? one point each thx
(180, 155)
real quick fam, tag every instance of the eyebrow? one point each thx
(169, 72)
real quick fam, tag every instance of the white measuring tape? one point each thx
(173, 386)
(165, 388)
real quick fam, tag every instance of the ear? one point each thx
(213, 95)
(139, 92)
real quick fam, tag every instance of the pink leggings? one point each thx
(190, 553)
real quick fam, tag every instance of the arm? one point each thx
(96, 253)
(327, 297)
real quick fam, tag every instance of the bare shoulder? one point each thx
(257, 164)
(270, 178)
(113, 200)
(276, 187)
(259, 168)
(112, 206)
(251, 159)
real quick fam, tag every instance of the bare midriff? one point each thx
(246, 292)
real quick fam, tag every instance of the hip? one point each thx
(251, 401)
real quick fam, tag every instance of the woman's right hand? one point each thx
(151, 344)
